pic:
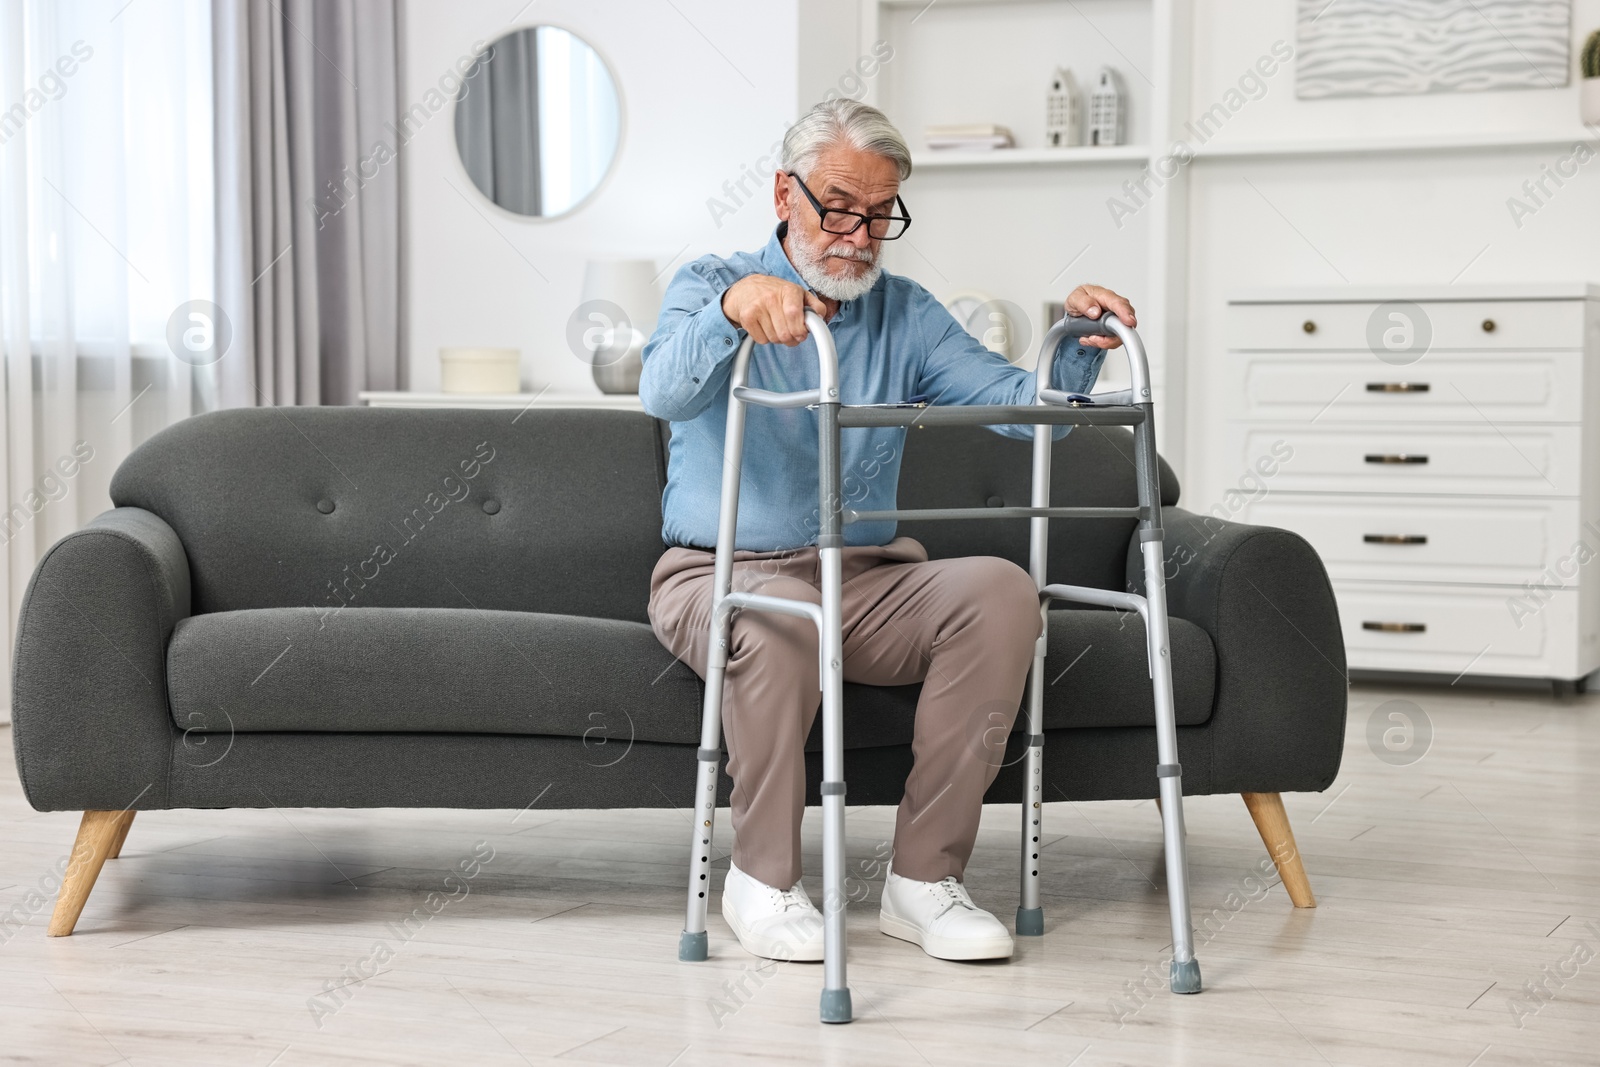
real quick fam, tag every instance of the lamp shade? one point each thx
(630, 284)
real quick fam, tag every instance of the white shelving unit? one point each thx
(991, 61)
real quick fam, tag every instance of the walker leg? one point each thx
(692, 943)
(835, 1007)
(1185, 971)
(1185, 974)
(692, 946)
(1030, 915)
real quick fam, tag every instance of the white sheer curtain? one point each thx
(106, 197)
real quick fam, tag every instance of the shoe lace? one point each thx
(952, 894)
(789, 898)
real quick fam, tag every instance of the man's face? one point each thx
(852, 180)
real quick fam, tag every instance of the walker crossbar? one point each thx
(851, 515)
(1105, 598)
(780, 605)
(990, 415)
(1128, 407)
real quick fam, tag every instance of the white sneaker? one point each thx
(942, 918)
(777, 924)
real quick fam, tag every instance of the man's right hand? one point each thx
(771, 310)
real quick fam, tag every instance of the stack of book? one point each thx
(970, 136)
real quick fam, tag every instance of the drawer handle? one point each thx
(1488, 326)
(1398, 457)
(1395, 539)
(1396, 627)
(1398, 387)
(1308, 326)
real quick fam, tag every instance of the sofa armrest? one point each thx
(1263, 595)
(89, 687)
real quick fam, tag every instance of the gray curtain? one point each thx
(309, 242)
(497, 123)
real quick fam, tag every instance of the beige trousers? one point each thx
(963, 627)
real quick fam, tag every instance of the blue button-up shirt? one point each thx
(894, 343)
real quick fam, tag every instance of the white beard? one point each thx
(811, 265)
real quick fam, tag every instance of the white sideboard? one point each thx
(1440, 448)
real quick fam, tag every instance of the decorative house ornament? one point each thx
(1402, 47)
(1107, 109)
(1589, 91)
(1063, 120)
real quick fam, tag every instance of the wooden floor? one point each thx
(1446, 887)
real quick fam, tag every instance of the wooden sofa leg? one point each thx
(96, 836)
(1272, 822)
(122, 835)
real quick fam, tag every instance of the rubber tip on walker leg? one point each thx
(836, 1005)
(1186, 976)
(1030, 922)
(692, 947)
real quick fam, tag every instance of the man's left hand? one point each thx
(1090, 302)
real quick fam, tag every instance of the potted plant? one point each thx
(1589, 93)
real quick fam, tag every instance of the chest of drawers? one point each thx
(1440, 447)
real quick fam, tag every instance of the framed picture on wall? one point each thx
(1404, 47)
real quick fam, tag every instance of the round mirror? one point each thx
(537, 121)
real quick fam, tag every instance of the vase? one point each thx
(619, 361)
(1589, 101)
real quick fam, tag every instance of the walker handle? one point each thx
(827, 391)
(1078, 326)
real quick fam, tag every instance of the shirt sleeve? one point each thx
(688, 358)
(956, 369)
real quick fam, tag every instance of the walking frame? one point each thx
(1127, 407)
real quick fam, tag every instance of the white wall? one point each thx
(704, 94)
(1422, 217)
(828, 34)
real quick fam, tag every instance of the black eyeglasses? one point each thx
(879, 227)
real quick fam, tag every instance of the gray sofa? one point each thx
(446, 608)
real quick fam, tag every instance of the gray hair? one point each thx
(860, 125)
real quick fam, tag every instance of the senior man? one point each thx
(964, 628)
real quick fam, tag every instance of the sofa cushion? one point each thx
(433, 670)
(539, 510)
(447, 670)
